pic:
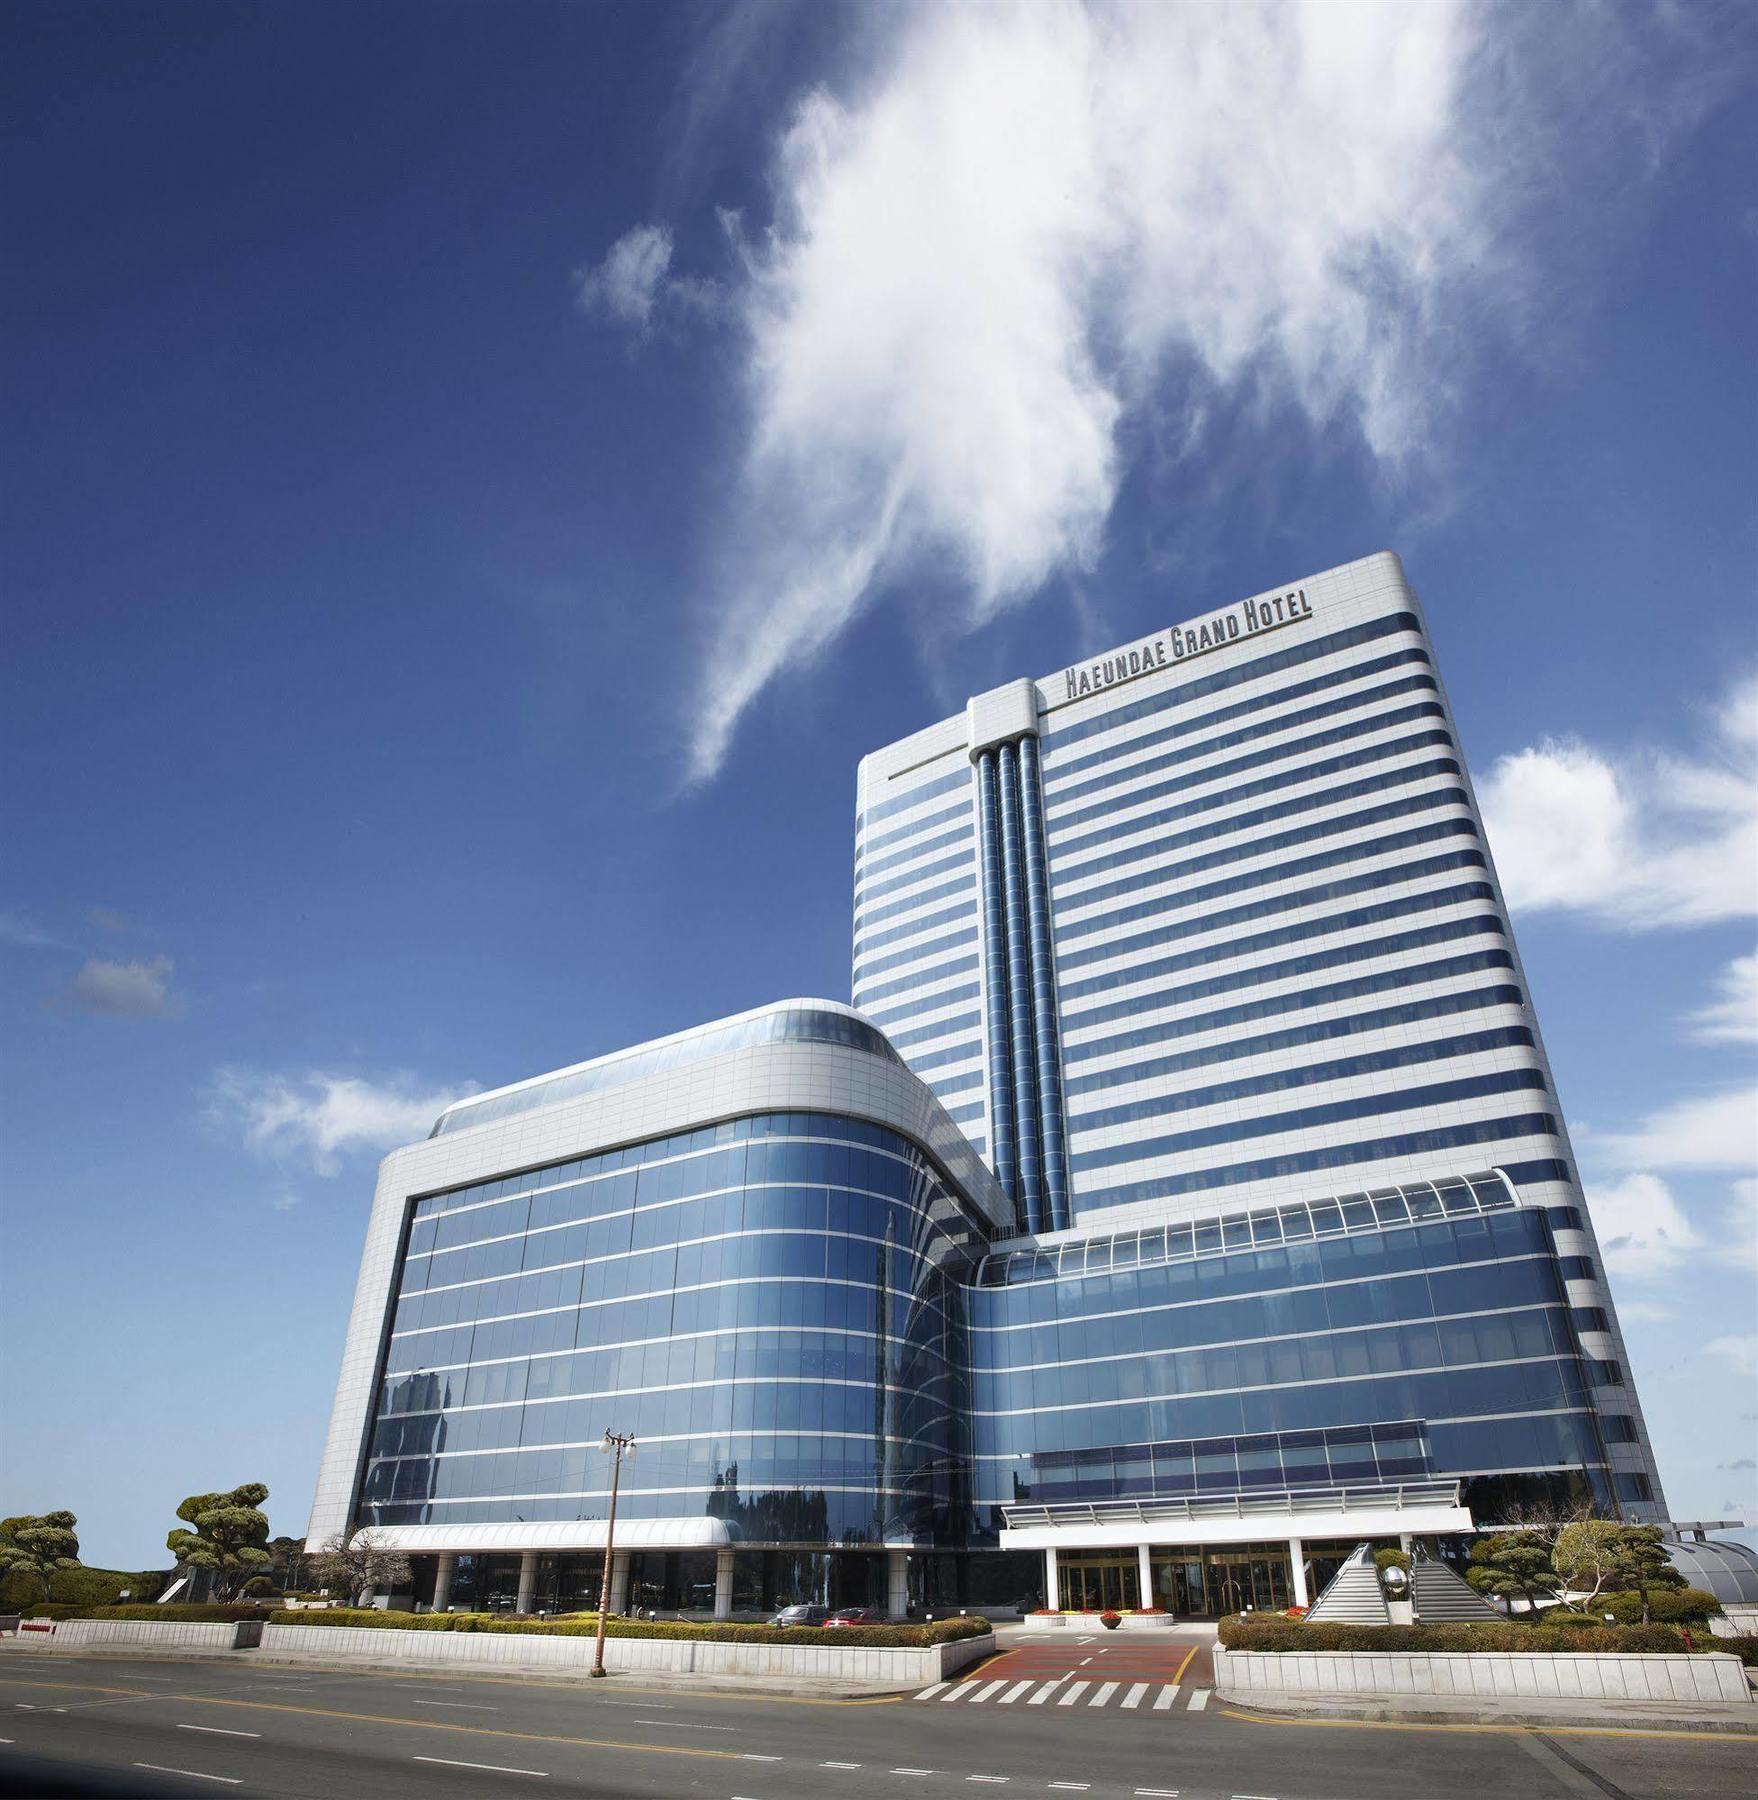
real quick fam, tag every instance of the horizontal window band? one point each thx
(1179, 897)
(916, 796)
(866, 993)
(916, 953)
(867, 893)
(1323, 1031)
(1111, 761)
(1370, 1062)
(954, 996)
(1335, 1156)
(1333, 1112)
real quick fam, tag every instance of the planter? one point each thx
(1110, 1620)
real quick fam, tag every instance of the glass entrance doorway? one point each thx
(1106, 1581)
(1205, 1583)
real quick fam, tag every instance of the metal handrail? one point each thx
(1236, 1505)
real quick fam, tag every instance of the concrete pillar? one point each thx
(619, 1581)
(897, 1583)
(527, 1582)
(1052, 1586)
(1297, 1567)
(1405, 1541)
(442, 1581)
(723, 1577)
(1145, 1570)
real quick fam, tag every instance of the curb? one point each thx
(1322, 1707)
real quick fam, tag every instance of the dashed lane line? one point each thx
(912, 1771)
(470, 1706)
(451, 1762)
(839, 1765)
(192, 1774)
(219, 1731)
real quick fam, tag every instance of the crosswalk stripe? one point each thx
(1133, 1697)
(1013, 1693)
(1103, 1694)
(1166, 1696)
(959, 1692)
(1046, 1691)
(983, 1694)
(1074, 1693)
(1199, 1698)
(928, 1693)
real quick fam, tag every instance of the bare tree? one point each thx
(358, 1563)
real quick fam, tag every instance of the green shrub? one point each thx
(1278, 1634)
(1666, 1606)
(52, 1609)
(173, 1613)
(1744, 1646)
(1390, 1559)
(853, 1637)
(78, 1587)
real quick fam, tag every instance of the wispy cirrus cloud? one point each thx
(1020, 238)
(319, 1118)
(137, 989)
(1732, 1016)
(634, 283)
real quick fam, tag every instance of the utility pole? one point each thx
(616, 1445)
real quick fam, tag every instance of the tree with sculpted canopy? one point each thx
(1643, 1564)
(229, 1536)
(1513, 1565)
(38, 1544)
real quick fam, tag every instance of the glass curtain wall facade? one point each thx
(772, 1305)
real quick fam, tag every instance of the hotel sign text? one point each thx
(1248, 619)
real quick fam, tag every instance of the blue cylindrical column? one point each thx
(1003, 1132)
(1019, 995)
(1047, 1032)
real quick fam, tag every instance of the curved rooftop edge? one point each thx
(1720, 1566)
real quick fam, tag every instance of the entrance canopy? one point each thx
(1408, 1509)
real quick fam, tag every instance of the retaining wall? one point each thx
(1512, 1675)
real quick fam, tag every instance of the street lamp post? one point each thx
(616, 1445)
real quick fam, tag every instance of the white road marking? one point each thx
(1103, 1694)
(1166, 1696)
(1013, 1693)
(928, 1693)
(839, 1765)
(752, 1756)
(1086, 1640)
(1046, 1691)
(8, 1740)
(959, 1692)
(999, 1780)
(1074, 1787)
(219, 1731)
(677, 1726)
(986, 1693)
(1085, 1660)
(1134, 1696)
(1157, 1793)
(23, 1706)
(192, 1774)
(912, 1771)
(461, 1705)
(451, 1762)
(1199, 1698)
(1074, 1693)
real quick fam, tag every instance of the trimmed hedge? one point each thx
(847, 1637)
(1666, 1606)
(173, 1613)
(1239, 1633)
(1744, 1646)
(79, 1586)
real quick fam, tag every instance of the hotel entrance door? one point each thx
(1099, 1583)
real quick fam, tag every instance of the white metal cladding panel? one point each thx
(780, 1077)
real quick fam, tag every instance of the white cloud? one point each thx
(122, 990)
(1739, 1352)
(1706, 1131)
(1633, 839)
(978, 267)
(1643, 1312)
(20, 929)
(1640, 1228)
(634, 282)
(1732, 1017)
(320, 1118)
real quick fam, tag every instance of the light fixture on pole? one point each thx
(616, 1446)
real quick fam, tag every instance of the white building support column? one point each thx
(619, 1581)
(1052, 1587)
(442, 1580)
(1145, 1570)
(1297, 1569)
(723, 1578)
(897, 1583)
(527, 1581)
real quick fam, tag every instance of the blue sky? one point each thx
(480, 477)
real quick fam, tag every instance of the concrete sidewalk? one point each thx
(1441, 1709)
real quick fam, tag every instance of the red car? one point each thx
(856, 1615)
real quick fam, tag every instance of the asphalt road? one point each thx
(92, 1726)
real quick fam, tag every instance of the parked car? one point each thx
(801, 1615)
(856, 1615)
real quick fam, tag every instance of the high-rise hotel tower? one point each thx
(1208, 925)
